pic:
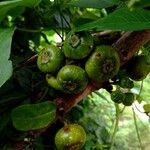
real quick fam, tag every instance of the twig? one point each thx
(116, 125)
(45, 38)
(137, 130)
(66, 21)
(30, 30)
(58, 34)
(43, 95)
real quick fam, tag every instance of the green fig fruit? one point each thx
(50, 59)
(73, 79)
(117, 96)
(129, 99)
(70, 137)
(126, 82)
(138, 67)
(103, 64)
(78, 45)
(70, 79)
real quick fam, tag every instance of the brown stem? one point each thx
(30, 60)
(66, 102)
(130, 43)
(126, 46)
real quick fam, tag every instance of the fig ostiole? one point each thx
(70, 137)
(50, 59)
(138, 67)
(77, 45)
(103, 64)
(70, 79)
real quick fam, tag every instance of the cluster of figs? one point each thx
(65, 72)
(135, 70)
(70, 68)
(100, 63)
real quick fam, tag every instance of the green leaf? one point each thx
(5, 6)
(5, 47)
(121, 20)
(17, 11)
(5, 71)
(147, 108)
(93, 3)
(5, 42)
(33, 116)
(100, 95)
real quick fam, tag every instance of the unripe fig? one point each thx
(138, 67)
(70, 79)
(77, 45)
(103, 64)
(50, 59)
(117, 96)
(129, 99)
(70, 137)
(73, 79)
(126, 82)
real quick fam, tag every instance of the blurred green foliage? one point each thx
(97, 114)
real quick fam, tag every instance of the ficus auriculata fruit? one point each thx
(129, 99)
(103, 64)
(77, 45)
(70, 79)
(138, 67)
(50, 59)
(117, 96)
(70, 137)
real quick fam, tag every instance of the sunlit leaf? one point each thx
(5, 71)
(5, 47)
(121, 20)
(5, 42)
